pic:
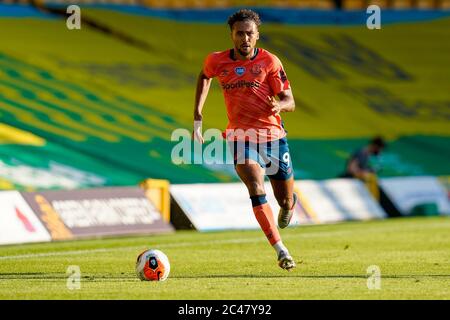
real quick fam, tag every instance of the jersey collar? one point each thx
(256, 51)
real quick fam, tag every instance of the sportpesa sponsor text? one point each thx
(240, 84)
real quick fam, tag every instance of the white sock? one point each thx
(279, 246)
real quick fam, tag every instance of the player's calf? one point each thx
(285, 215)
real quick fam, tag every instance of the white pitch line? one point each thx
(187, 244)
(101, 250)
(167, 245)
(52, 254)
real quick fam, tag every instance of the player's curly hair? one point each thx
(242, 15)
(378, 141)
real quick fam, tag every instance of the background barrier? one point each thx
(18, 222)
(417, 195)
(87, 213)
(227, 206)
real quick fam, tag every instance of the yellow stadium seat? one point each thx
(321, 4)
(445, 4)
(316, 4)
(152, 3)
(354, 4)
(402, 4)
(177, 4)
(194, 4)
(328, 4)
(425, 4)
(325, 4)
(217, 3)
(381, 3)
(279, 3)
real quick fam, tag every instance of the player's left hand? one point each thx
(274, 104)
(197, 132)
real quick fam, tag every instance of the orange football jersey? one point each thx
(246, 86)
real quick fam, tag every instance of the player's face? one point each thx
(376, 150)
(244, 36)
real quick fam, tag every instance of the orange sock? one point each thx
(264, 215)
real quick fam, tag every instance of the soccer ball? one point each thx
(152, 265)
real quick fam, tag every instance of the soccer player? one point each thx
(359, 166)
(251, 78)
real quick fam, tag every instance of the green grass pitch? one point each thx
(413, 255)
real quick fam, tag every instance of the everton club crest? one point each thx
(256, 69)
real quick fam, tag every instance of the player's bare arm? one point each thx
(353, 168)
(286, 102)
(203, 84)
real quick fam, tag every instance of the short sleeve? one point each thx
(277, 78)
(209, 66)
(362, 159)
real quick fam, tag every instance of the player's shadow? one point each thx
(132, 277)
(293, 275)
(31, 275)
(63, 276)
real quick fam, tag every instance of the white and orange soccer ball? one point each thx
(152, 265)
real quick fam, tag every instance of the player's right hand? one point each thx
(197, 133)
(275, 106)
